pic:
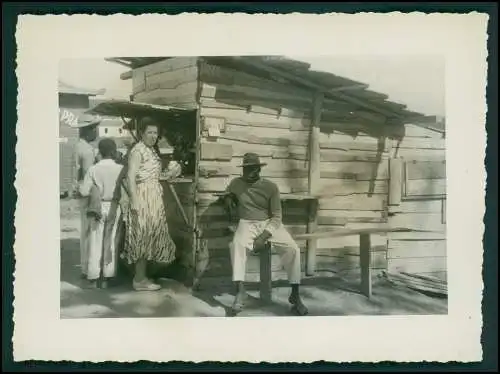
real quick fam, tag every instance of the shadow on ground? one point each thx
(324, 295)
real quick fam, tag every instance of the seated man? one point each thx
(258, 205)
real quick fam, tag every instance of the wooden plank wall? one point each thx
(272, 120)
(172, 81)
(420, 203)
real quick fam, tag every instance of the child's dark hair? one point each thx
(107, 148)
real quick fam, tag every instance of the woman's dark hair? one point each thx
(143, 124)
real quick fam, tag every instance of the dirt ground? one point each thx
(324, 295)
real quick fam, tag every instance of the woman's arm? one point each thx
(133, 166)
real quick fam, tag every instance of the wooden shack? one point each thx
(73, 101)
(342, 155)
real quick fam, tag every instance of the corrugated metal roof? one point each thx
(286, 70)
(65, 88)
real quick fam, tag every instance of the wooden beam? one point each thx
(265, 274)
(325, 90)
(365, 264)
(395, 181)
(349, 88)
(117, 61)
(126, 75)
(314, 146)
(314, 179)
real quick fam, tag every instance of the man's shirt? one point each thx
(104, 175)
(258, 201)
(85, 155)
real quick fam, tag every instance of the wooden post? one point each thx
(314, 179)
(395, 181)
(365, 264)
(265, 274)
(443, 211)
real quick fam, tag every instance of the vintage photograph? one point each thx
(252, 186)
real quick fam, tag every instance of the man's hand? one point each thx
(260, 241)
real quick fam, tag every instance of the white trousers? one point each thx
(84, 233)
(281, 241)
(102, 242)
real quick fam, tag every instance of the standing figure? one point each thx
(102, 187)
(257, 204)
(147, 236)
(85, 156)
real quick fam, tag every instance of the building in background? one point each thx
(73, 101)
(113, 127)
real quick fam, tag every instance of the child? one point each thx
(101, 187)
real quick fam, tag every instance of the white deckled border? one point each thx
(44, 40)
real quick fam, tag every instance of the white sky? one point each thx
(417, 82)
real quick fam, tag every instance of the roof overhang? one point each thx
(134, 110)
(131, 109)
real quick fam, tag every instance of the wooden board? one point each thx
(354, 145)
(285, 169)
(333, 187)
(166, 65)
(405, 249)
(276, 108)
(247, 137)
(418, 170)
(409, 154)
(169, 79)
(422, 143)
(243, 117)
(354, 127)
(425, 187)
(417, 236)
(358, 202)
(416, 221)
(417, 265)
(414, 131)
(221, 266)
(262, 131)
(361, 170)
(215, 151)
(351, 213)
(420, 206)
(340, 155)
(396, 181)
(272, 164)
(185, 92)
(221, 92)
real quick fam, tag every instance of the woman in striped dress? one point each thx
(147, 237)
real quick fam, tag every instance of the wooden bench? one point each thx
(364, 257)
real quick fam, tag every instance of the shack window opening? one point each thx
(177, 140)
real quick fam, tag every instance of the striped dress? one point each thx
(147, 233)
